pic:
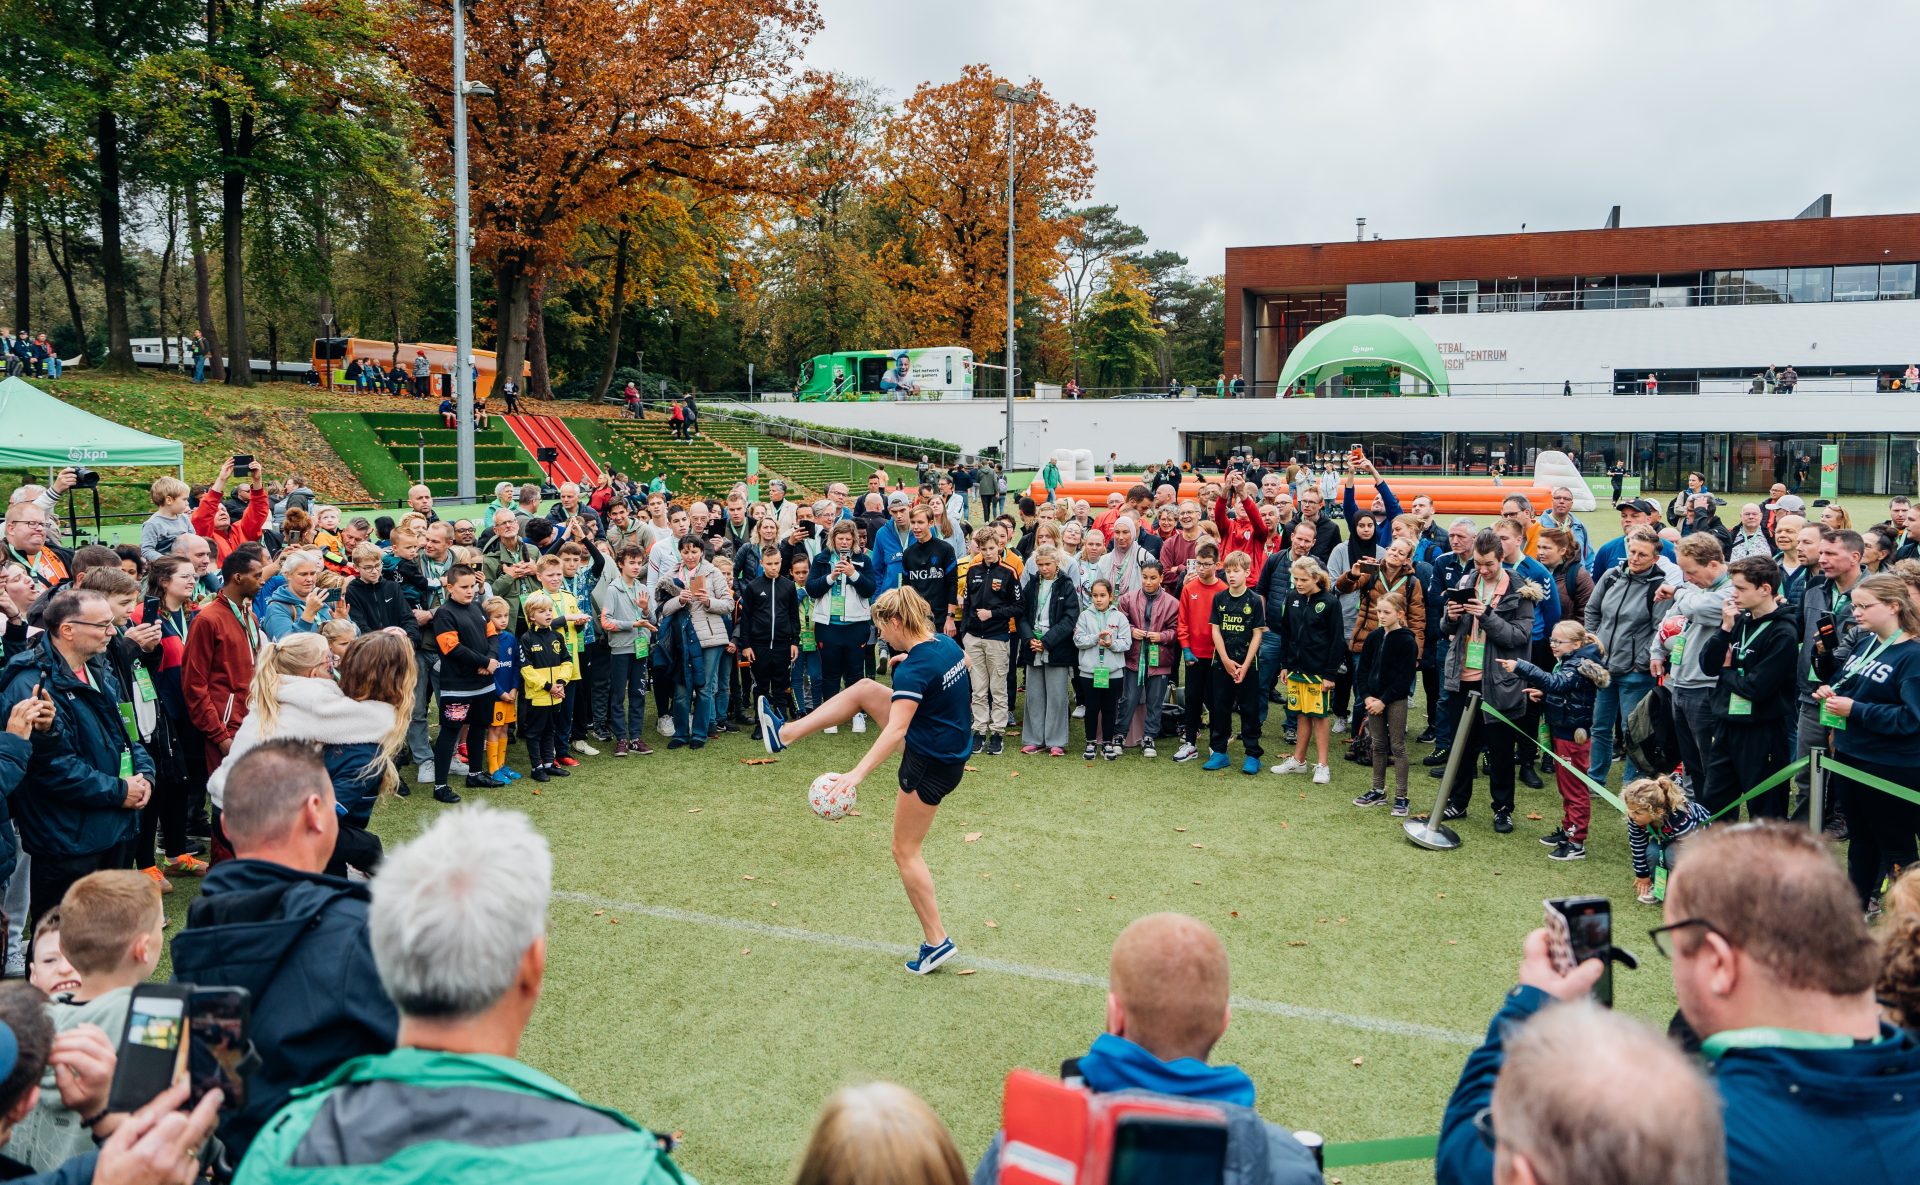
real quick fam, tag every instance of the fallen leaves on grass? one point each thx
(613, 921)
(1179, 828)
(696, 810)
(746, 950)
(1442, 896)
(1453, 942)
(1535, 816)
(972, 769)
(1201, 846)
(759, 761)
(746, 878)
(970, 837)
(992, 925)
(599, 913)
(968, 971)
(1234, 913)
(536, 791)
(1014, 774)
(1360, 1061)
(1298, 942)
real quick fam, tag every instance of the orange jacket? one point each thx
(247, 530)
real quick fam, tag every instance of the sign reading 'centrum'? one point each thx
(1457, 358)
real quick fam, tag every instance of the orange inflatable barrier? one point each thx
(1451, 495)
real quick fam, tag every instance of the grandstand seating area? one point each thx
(497, 456)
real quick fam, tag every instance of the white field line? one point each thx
(668, 913)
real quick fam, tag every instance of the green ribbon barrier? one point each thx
(1605, 794)
(1341, 1156)
(1763, 787)
(1867, 779)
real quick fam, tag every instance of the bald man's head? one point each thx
(1167, 989)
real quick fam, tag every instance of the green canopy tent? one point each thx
(38, 431)
(1373, 352)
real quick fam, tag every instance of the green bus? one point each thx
(926, 372)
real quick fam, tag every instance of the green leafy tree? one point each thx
(1120, 335)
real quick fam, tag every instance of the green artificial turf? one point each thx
(691, 1013)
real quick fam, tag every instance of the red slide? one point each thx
(574, 463)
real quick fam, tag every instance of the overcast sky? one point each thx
(1242, 122)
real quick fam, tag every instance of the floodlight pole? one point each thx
(462, 247)
(1012, 96)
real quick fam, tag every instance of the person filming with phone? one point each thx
(1774, 971)
(1166, 1010)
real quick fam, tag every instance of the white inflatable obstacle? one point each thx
(1553, 469)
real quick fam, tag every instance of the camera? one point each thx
(547, 454)
(85, 479)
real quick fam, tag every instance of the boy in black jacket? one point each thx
(459, 631)
(988, 610)
(766, 628)
(1755, 654)
(375, 600)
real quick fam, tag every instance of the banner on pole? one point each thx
(753, 473)
(1829, 471)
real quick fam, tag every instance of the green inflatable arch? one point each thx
(1368, 348)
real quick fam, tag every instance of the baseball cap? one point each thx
(897, 499)
(1638, 506)
(1788, 502)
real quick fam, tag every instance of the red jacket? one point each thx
(247, 530)
(1196, 615)
(217, 671)
(1248, 535)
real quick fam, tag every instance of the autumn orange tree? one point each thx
(944, 170)
(622, 93)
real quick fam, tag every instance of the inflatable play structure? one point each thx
(1451, 495)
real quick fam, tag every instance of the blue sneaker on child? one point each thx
(506, 774)
(1218, 761)
(1250, 766)
(930, 957)
(770, 724)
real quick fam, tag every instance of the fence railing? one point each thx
(849, 445)
(1668, 387)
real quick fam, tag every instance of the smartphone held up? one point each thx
(175, 1031)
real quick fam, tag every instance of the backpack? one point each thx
(1652, 743)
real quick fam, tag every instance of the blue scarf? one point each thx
(1115, 1063)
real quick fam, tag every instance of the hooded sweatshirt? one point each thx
(1258, 1152)
(349, 731)
(298, 942)
(1754, 660)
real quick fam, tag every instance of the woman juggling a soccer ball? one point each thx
(928, 713)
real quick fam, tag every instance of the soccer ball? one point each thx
(826, 801)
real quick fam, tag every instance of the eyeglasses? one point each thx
(1483, 1127)
(102, 625)
(1659, 933)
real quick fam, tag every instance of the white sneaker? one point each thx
(859, 722)
(1186, 752)
(1080, 712)
(457, 769)
(426, 773)
(664, 725)
(1322, 775)
(1339, 725)
(585, 750)
(1292, 765)
(831, 728)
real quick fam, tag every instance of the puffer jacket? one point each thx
(1507, 629)
(349, 732)
(70, 803)
(1570, 688)
(1622, 614)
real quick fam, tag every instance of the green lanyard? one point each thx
(1747, 640)
(1860, 662)
(245, 618)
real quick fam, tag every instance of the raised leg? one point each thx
(869, 696)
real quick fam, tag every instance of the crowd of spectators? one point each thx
(232, 699)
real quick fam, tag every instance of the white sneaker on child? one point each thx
(1322, 775)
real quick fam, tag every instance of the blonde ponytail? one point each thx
(293, 655)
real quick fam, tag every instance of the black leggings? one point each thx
(1102, 709)
(476, 716)
(1880, 827)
